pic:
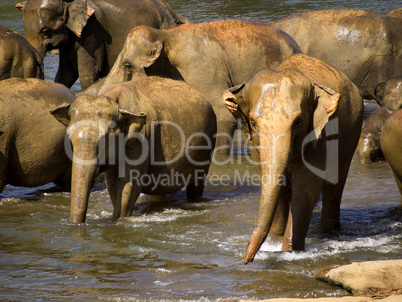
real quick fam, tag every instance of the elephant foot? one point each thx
(330, 226)
(63, 182)
(125, 200)
(194, 191)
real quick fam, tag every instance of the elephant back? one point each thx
(37, 91)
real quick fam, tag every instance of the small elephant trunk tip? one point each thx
(256, 240)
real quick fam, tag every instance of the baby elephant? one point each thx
(303, 121)
(31, 140)
(389, 94)
(391, 143)
(389, 97)
(150, 135)
(18, 58)
(368, 149)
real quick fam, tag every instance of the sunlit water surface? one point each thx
(173, 250)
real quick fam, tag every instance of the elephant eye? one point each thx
(47, 32)
(297, 123)
(254, 125)
(128, 66)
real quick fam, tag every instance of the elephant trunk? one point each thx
(85, 169)
(37, 44)
(116, 75)
(273, 167)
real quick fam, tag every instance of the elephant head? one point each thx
(368, 149)
(93, 126)
(142, 48)
(277, 110)
(48, 24)
(389, 94)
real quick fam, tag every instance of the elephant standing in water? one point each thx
(368, 149)
(89, 34)
(303, 121)
(389, 97)
(391, 144)
(210, 57)
(161, 130)
(18, 58)
(366, 46)
(389, 94)
(31, 140)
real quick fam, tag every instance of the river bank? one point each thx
(367, 281)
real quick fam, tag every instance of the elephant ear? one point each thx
(233, 100)
(61, 113)
(78, 14)
(327, 104)
(153, 52)
(134, 122)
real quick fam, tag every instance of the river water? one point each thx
(173, 250)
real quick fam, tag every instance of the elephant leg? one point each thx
(279, 223)
(124, 196)
(64, 181)
(398, 181)
(3, 171)
(224, 137)
(67, 73)
(89, 66)
(129, 196)
(111, 184)
(305, 194)
(196, 188)
(331, 203)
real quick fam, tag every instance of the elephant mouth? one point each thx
(232, 107)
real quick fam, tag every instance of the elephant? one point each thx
(162, 146)
(303, 120)
(389, 97)
(389, 94)
(366, 46)
(391, 144)
(17, 57)
(368, 148)
(397, 13)
(210, 57)
(31, 140)
(89, 34)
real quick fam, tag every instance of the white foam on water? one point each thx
(161, 283)
(165, 216)
(328, 248)
(163, 271)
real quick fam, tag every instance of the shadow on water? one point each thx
(171, 249)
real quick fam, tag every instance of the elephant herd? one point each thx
(161, 95)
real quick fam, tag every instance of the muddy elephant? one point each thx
(391, 144)
(389, 94)
(89, 34)
(389, 97)
(31, 140)
(368, 148)
(366, 46)
(18, 58)
(303, 121)
(145, 136)
(210, 57)
(397, 13)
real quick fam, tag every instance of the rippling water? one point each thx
(175, 250)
